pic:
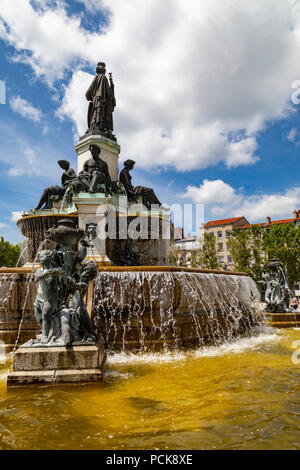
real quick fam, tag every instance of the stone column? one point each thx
(110, 151)
(92, 211)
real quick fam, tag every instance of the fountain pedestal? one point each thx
(92, 217)
(52, 365)
(110, 151)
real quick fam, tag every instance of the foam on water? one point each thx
(238, 346)
(3, 376)
(116, 374)
(234, 347)
(145, 358)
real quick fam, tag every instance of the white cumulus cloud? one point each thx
(195, 82)
(26, 109)
(74, 103)
(222, 200)
(16, 215)
(211, 192)
(292, 135)
(27, 167)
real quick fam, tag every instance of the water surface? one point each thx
(243, 395)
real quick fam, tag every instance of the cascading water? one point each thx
(148, 311)
(29, 281)
(64, 199)
(17, 323)
(7, 284)
(24, 250)
(34, 229)
(17, 292)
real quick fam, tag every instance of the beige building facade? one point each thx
(189, 247)
(220, 230)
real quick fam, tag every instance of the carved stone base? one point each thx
(53, 377)
(110, 151)
(53, 365)
(92, 210)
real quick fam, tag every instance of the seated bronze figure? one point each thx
(54, 193)
(95, 172)
(148, 196)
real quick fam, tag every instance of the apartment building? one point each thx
(187, 249)
(220, 230)
(189, 246)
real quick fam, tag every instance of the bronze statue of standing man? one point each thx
(101, 95)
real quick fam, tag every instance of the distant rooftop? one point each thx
(213, 223)
(270, 222)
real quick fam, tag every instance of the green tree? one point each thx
(9, 253)
(247, 250)
(253, 248)
(208, 255)
(283, 242)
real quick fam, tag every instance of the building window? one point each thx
(229, 259)
(221, 259)
(228, 246)
(227, 233)
(220, 234)
(220, 246)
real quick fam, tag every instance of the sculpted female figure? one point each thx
(102, 103)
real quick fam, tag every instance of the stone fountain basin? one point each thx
(167, 269)
(34, 228)
(145, 307)
(157, 307)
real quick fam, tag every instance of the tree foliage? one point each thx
(283, 243)
(252, 249)
(247, 251)
(9, 253)
(208, 256)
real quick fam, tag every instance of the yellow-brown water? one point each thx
(239, 396)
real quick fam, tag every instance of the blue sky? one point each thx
(204, 99)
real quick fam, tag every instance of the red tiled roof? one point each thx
(251, 225)
(222, 221)
(273, 222)
(284, 221)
